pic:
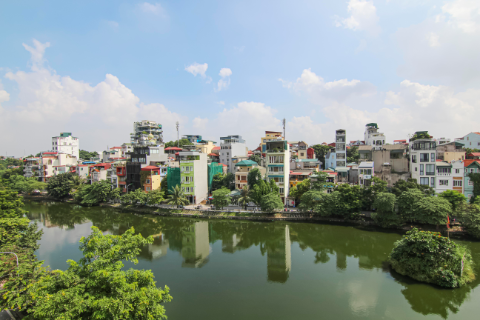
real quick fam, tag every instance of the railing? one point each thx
(442, 174)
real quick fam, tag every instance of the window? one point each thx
(472, 170)
(281, 190)
(470, 182)
(416, 169)
(457, 183)
(423, 157)
(458, 170)
(430, 169)
(148, 188)
(432, 183)
(432, 157)
(148, 180)
(280, 180)
(443, 182)
(421, 169)
(424, 181)
(414, 158)
(183, 189)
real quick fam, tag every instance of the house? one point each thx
(390, 163)
(356, 143)
(365, 173)
(341, 155)
(373, 137)
(450, 151)
(66, 143)
(402, 141)
(194, 139)
(469, 166)
(298, 176)
(270, 136)
(152, 178)
(331, 159)
(121, 172)
(115, 153)
(473, 155)
(146, 133)
(205, 146)
(305, 164)
(471, 140)
(31, 167)
(423, 156)
(231, 147)
(278, 165)
(53, 163)
(194, 175)
(449, 176)
(98, 172)
(143, 156)
(242, 169)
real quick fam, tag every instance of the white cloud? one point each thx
(338, 90)
(48, 103)
(363, 17)
(154, 8)
(199, 123)
(197, 68)
(443, 48)
(223, 83)
(112, 24)
(222, 103)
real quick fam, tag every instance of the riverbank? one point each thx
(363, 221)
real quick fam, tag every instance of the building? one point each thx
(442, 141)
(449, 176)
(471, 140)
(115, 153)
(143, 156)
(373, 137)
(278, 165)
(53, 163)
(99, 172)
(152, 178)
(423, 156)
(66, 143)
(401, 141)
(469, 166)
(126, 149)
(31, 167)
(450, 151)
(366, 173)
(231, 147)
(270, 136)
(194, 139)
(390, 163)
(305, 164)
(341, 154)
(146, 133)
(194, 175)
(330, 159)
(205, 146)
(121, 172)
(242, 169)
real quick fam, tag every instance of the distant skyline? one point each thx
(236, 67)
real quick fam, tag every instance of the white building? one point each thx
(423, 156)
(373, 137)
(471, 140)
(66, 143)
(53, 163)
(231, 147)
(278, 165)
(449, 176)
(366, 171)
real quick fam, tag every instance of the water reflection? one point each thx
(343, 257)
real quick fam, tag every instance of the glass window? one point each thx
(424, 181)
(432, 157)
(457, 183)
(281, 190)
(432, 182)
(414, 158)
(443, 182)
(423, 157)
(422, 169)
(457, 170)
(430, 169)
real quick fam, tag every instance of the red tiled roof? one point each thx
(477, 133)
(115, 148)
(474, 154)
(105, 165)
(468, 162)
(213, 154)
(150, 168)
(83, 165)
(214, 148)
(49, 153)
(400, 140)
(173, 148)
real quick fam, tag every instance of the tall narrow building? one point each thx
(66, 143)
(341, 155)
(146, 133)
(232, 147)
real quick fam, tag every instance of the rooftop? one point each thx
(246, 163)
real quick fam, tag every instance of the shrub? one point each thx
(385, 216)
(429, 257)
(271, 202)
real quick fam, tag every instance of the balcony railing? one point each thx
(442, 174)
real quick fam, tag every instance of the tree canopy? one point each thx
(221, 198)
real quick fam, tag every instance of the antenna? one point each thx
(283, 121)
(178, 136)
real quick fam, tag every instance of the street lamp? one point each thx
(128, 185)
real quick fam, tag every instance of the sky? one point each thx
(236, 68)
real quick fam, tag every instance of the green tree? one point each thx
(257, 158)
(155, 197)
(95, 193)
(271, 202)
(164, 184)
(402, 185)
(470, 150)
(454, 197)
(177, 197)
(407, 204)
(59, 186)
(96, 287)
(217, 181)
(85, 155)
(350, 199)
(319, 181)
(369, 192)
(221, 198)
(298, 190)
(260, 189)
(420, 135)
(253, 177)
(244, 197)
(433, 210)
(10, 204)
(385, 214)
(321, 151)
(352, 154)
(475, 178)
(470, 218)
(183, 142)
(138, 197)
(273, 187)
(431, 258)
(229, 181)
(321, 203)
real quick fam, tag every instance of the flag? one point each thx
(448, 222)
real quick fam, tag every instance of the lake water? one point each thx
(261, 270)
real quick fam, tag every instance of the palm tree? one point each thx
(76, 182)
(177, 197)
(244, 197)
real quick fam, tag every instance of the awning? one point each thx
(342, 169)
(443, 164)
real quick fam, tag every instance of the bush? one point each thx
(95, 193)
(386, 215)
(407, 202)
(271, 202)
(433, 210)
(429, 257)
(60, 186)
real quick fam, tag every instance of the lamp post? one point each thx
(128, 185)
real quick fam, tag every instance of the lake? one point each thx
(225, 269)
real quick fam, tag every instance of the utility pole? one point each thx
(178, 135)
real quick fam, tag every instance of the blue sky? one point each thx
(94, 67)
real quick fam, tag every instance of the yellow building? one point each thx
(242, 169)
(153, 179)
(205, 146)
(270, 136)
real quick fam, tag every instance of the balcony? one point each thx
(443, 174)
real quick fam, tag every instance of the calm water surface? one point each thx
(253, 270)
